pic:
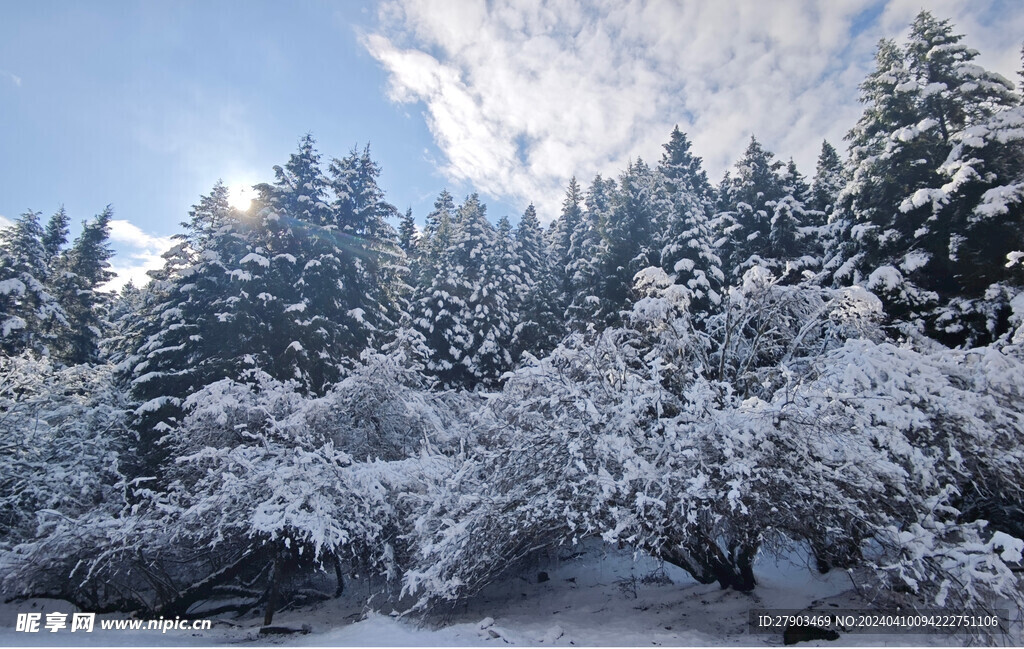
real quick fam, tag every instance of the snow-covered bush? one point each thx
(271, 485)
(540, 475)
(812, 429)
(384, 409)
(248, 467)
(61, 435)
(633, 434)
(255, 482)
(62, 439)
(937, 438)
(265, 486)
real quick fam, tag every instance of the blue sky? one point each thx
(145, 105)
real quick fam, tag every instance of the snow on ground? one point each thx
(604, 597)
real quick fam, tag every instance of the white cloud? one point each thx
(15, 79)
(5, 222)
(138, 252)
(521, 94)
(132, 267)
(127, 232)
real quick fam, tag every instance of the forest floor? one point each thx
(604, 597)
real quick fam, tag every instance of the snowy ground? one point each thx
(601, 598)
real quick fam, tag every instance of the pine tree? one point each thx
(1020, 73)
(581, 305)
(794, 239)
(784, 253)
(291, 255)
(444, 205)
(189, 330)
(540, 325)
(921, 102)
(322, 268)
(499, 310)
(28, 313)
(560, 240)
(434, 303)
(685, 208)
(409, 244)
(407, 233)
(795, 183)
(629, 243)
(297, 287)
(747, 203)
(55, 237)
(828, 180)
(462, 307)
(123, 316)
(371, 302)
(81, 271)
(433, 243)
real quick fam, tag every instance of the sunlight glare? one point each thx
(241, 196)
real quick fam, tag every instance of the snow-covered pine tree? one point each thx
(540, 325)
(28, 313)
(794, 238)
(55, 237)
(370, 303)
(407, 233)
(500, 304)
(432, 244)
(629, 241)
(828, 180)
(123, 315)
(435, 303)
(189, 330)
(321, 270)
(80, 272)
(795, 184)
(921, 101)
(976, 214)
(684, 209)
(1020, 74)
(461, 306)
(293, 255)
(487, 313)
(746, 204)
(444, 205)
(584, 270)
(984, 200)
(560, 240)
(409, 243)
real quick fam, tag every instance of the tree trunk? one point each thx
(705, 561)
(743, 568)
(205, 589)
(339, 576)
(700, 571)
(268, 614)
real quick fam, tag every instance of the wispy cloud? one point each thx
(133, 267)
(137, 253)
(521, 94)
(10, 76)
(126, 232)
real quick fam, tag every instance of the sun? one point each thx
(240, 196)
